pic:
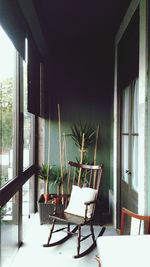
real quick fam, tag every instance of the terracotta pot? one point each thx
(56, 200)
(46, 197)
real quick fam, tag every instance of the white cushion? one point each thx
(78, 197)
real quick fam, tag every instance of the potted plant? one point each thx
(46, 174)
(51, 176)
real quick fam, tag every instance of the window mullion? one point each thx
(20, 142)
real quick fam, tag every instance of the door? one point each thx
(131, 61)
(129, 146)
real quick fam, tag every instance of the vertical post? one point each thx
(96, 142)
(143, 107)
(49, 136)
(95, 154)
(48, 163)
(81, 159)
(60, 149)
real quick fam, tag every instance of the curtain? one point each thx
(134, 134)
(135, 108)
(11, 19)
(125, 131)
(13, 22)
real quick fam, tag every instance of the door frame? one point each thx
(143, 63)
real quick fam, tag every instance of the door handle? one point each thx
(127, 171)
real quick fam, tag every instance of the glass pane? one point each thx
(134, 160)
(125, 167)
(9, 231)
(125, 110)
(7, 110)
(135, 109)
(25, 208)
(27, 149)
(28, 203)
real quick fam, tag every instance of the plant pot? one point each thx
(47, 208)
(46, 197)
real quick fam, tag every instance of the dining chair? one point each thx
(132, 224)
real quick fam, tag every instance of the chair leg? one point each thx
(51, 231)
(68, 229)
(90, 248)
(79, 238)
(92, 231)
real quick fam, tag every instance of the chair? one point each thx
(132, 224)
(139, 224)
(83, 182)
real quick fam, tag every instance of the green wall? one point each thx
(96, 111)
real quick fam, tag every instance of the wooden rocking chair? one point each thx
(79, 207)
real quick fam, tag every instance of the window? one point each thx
(16, 140)
(8, 89)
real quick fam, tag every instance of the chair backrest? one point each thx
(139, 224)
(83, 183)
(84, 175)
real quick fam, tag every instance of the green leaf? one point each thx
(77, 133)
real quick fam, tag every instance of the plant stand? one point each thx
(45, 209)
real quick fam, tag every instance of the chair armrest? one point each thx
(87, 203)
(90, 202)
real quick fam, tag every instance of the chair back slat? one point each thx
(68, 181)
(90, 180)
(85, 178)
(85, 175)
(136, 226)
(74, 175)
(99, 174)
(94, 179)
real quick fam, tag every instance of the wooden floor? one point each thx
(32, 252)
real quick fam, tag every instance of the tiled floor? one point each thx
(32, 253)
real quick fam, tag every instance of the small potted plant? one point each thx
(46, 174)
(51, 176)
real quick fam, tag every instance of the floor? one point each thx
(32, 251)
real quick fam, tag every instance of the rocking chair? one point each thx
(79, 207)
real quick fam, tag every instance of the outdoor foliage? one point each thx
(6, 102)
